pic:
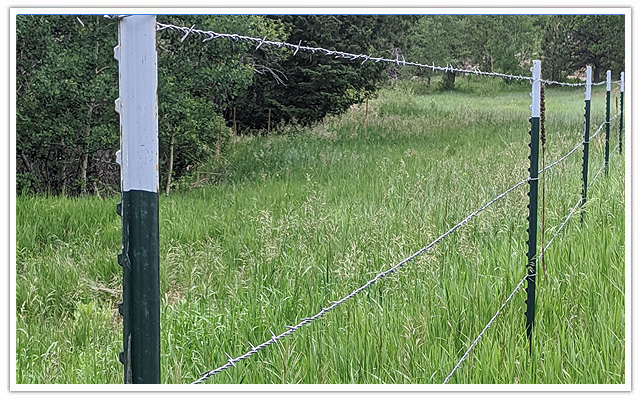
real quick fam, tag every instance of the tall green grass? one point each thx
(297, 220)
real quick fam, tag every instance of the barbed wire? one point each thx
(209, 35)
(576, 205)
(292, 329)
(578, 146)
(565, 221)
(601, 169)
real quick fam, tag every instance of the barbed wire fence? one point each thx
(532, 179)
(275, 338)
(210, 35)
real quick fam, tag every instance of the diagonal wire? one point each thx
(480, 335)
(516, 288)
(562, 158)
(602, 125)
(558, 231)
(232, 361)
(209, 35)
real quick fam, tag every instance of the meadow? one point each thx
(282, 225)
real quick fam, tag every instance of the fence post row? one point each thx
(533, 194)
(608, 78)
(621, 116)
(138, 158)
(586, 136)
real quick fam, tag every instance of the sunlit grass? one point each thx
(298, 220)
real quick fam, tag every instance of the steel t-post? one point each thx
(621, 116)
(586, 136)
(533, 194)
(608, 79)
(138, 159)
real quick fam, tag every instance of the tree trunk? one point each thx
(171, 163)
(235, 128)
(83, 171)
(27, 164)
(85, 156)
(597, 72)
(448, 83)
(62, 174)
(365, 122)
(269, 120)
(218, 142)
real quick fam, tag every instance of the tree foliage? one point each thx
(573, 41)
(66, 85)
(197, 82)
(500, 43)
(314, 85)
(67, 130)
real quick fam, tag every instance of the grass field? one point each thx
(298, 220)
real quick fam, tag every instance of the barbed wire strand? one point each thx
(209, 35)
(549, 243)
(340, 54)
(575, 207)
(292, 329)
(600, 170)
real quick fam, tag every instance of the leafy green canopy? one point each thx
(66, 85)
(573, 41)
(312, 86)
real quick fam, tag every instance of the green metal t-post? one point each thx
(586, 136)
(621, 116)
(608, 79)
(535, 122)
(138, 158)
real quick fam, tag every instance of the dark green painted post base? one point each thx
(141, 287)
(621, 126)
(586, 152)
(607, 131)
(532, 226)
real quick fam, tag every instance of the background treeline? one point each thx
(67, 129)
